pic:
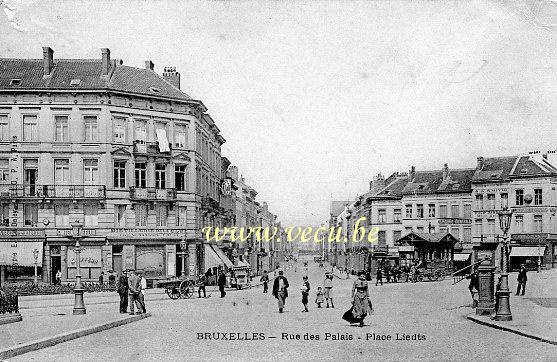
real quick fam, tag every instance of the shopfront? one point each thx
(20, 251)
(533, 250)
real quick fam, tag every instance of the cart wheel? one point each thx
(431, 276)
(172, 292)
(186, 289)
(440, 274)
(420, 277)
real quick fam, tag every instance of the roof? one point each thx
(338, 206)
(121, 78)
(433, 182)
(496, 169)
(394, 186)
(427, 237)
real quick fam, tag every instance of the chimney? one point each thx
(480, 163)
(171, 76)
(105, 61)
(378, 183)
(149, 65)
(445, 172)
(48, 60)
(412, 173)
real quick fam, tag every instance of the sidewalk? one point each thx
(535, 314)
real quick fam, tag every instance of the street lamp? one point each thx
(539, 258)
(79, 305)
(36, 255)
(183, 246)
(503, 312)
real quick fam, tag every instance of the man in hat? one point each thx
(143, 283)
(280, 290)
(265, 280)
(522, 278)
(134, 290)
(122, 290)
(328, 289)
(222, 283)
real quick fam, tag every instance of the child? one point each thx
(305, 293)
(319, 298)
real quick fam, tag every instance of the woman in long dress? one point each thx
(361, 306)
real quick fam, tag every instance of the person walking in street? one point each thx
(361, 305)
(134, 290)
(328, 287)
(387, 273)
(319, 299)
(522, 278)
(474, 287)
(265, 280)
(222, 283)
(122, 290)
(413, 271)
(379, 276)
(280, 290)
(305, 293)
(111, 278)
(202, 283)
(143, 283)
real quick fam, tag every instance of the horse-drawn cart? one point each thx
(179, 288)
(433, 271)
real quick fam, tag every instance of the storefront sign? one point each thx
(84, 232)
(454, 221)
(21, 253)
(89, 257)
(406, 249)
(532, 238)
(146, 233)
(534, 209)
(22, 233)
(486, 212)
(491, 190)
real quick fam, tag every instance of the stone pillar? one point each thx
(64, 262)
(128, 257)
(486, 300)
(170, 251)
(192, 259)
(47, 267)
(106, 258)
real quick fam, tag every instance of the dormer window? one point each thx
(75, 82)
(15, 82)
(154, 90)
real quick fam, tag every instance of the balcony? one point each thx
(151, 193)
(53, 191)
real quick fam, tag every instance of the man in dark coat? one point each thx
(222, 283)
(265, 280)
(202, 283)
(379, 276)
(280, 290)
(474, 287)
(122, 290)
(522, 278)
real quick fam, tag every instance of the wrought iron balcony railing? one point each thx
(152, 193)
(53, 191)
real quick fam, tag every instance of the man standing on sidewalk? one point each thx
(522, 278)
(222, 283)
(134, 290)
(143, 283)
(123, 292)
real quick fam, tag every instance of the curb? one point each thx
(537, 337)
(64, 337)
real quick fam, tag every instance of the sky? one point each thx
(315, 98)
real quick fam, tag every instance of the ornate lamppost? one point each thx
(79, 305)
(184, 247)
(503, 312)
(36, 255)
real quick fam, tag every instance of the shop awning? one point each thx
(20, 252)
(461, 256)
(212, 260)
(222, 256)
(527, 251)
(242, 264)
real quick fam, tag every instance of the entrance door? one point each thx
(179, 264)
(55, 265)
(117, 263)
(30, 177)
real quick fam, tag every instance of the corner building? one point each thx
(121, 149)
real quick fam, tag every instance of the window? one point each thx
(408, 211)
(431, 212)
(420, 211)
(61, 172)
(491, 226)
(397, 234)
(90, 172)
(140, 215)
(479, 202)
(479, 227)
(442, 230)
(467, 235)
(408, 229)
(538, 223)
(61, 125)
(30, 214)
(91, 130)
(455, 231)
(381, 237)
(30, 131)
(119, 174)
(160, 176)
(442, 211)
(455, 211)
(141, 175)
(91, 212)
(519, 197)
(5, 214)
(120, 216)
(62, 215)
(181, 218)
(161, 214)
(119, 130)
(140, 131)
(420, 229)
(381, 216)
(4, 171)
(4, 128)
(504, 200)
(491, 201)
(181, 136)
(467, 211)
(397, 215)
(180, 177)
(519, 219)
(538, 200)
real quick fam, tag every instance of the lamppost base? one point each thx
(79, 305)
(503, 317)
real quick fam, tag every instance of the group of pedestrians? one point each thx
(131, 288)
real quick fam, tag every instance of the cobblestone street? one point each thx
(434, 310)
